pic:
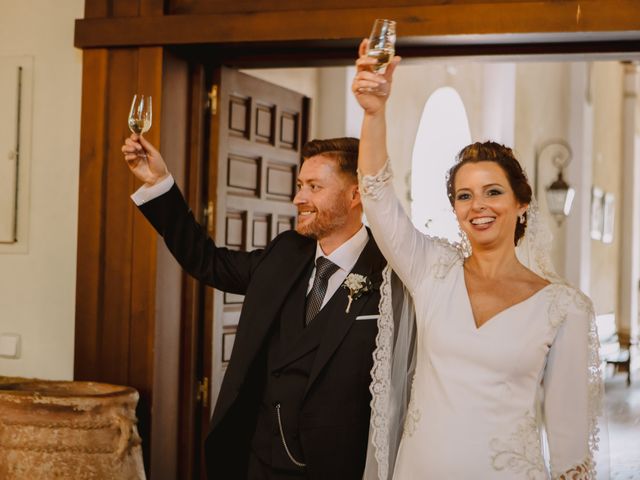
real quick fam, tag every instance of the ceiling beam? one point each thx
(501, 23)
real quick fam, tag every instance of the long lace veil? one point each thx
(395, 361)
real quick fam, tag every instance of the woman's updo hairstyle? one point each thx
(503, 156)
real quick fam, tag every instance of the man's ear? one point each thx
(355, 196)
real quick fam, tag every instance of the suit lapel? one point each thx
(369, 264)
(279, 281)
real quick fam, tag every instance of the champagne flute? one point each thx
(382, 43)
(140, 114)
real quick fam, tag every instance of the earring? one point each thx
(465, 244)
(522, 219)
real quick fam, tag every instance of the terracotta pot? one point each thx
(69, 430)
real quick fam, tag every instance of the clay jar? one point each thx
(69, 430)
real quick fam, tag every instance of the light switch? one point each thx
(9, 345)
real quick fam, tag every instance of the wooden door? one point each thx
(256, 133)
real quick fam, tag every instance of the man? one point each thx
(294, 402)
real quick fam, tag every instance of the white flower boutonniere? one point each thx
(357, 285)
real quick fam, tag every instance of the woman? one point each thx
(506, 366)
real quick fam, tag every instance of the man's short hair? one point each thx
(344, 150)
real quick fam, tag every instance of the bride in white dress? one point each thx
(504, 378)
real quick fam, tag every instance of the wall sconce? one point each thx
(559, 194)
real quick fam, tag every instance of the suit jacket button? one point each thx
(275, 374)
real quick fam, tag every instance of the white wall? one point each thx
(37, 287)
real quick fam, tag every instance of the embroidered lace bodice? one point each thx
(481, 398)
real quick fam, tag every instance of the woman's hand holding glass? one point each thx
(372, 89)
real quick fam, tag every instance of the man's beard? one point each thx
(325, 223)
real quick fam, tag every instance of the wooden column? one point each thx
(128, 328)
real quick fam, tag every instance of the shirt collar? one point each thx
(346, 255)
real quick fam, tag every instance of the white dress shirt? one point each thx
(345, 257)
(145, 194)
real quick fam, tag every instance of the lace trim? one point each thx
(413, 415)
(584, 471)
(596, 391)
(449, 254)
(372, 185)
(562, 300)
(521, 452)
(381, 378)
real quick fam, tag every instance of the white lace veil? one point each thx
(534, 248)
(392, 376)
(395, 360)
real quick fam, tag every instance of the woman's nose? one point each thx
(477, 203)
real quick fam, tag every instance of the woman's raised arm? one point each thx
(372, 91)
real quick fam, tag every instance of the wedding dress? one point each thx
(517, 398)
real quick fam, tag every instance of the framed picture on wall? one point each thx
(10, 94)
(597, 213)
(16, 123)
(608, 212)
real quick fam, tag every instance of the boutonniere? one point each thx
(357, 285)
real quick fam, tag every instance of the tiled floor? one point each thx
(623, 412)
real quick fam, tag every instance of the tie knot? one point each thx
(325, 267)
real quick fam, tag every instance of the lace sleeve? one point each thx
(372, 185)
(410, 253)
(573, 388)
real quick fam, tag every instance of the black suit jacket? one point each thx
(334, 415)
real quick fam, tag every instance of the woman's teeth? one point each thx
(482, 220)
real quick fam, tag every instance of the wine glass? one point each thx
(382, 43)
(140, 114)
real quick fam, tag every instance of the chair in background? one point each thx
(611, 351)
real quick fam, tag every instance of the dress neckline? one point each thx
(501, 312)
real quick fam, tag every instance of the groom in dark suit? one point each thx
(294, 402)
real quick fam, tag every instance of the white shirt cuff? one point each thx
(145, 194)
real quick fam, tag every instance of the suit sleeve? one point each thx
(188, 241)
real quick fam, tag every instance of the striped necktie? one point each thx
(324, 269)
